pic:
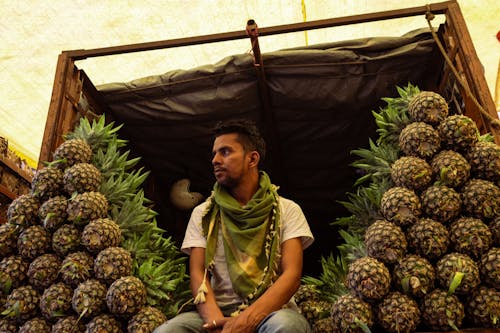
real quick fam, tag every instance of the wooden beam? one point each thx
(437, 8)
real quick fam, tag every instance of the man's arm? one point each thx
(277, 295)
(209, 310)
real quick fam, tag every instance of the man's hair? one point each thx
(248, 134)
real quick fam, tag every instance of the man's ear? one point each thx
(254, 158)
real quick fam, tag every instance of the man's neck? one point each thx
(244, 192)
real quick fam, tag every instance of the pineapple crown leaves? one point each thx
(330, 283)
(111, 162)
(455, 282)
(487, 137)
(353, 247)
(97, 134)
(5, 283)
(123, 186)
(166, 283)
(393, 117)
(150, 244)
(131, 215)
(13, 311)
(164, 277)
(390, 123)
(375, 161)
(364, 327)
(364, 205)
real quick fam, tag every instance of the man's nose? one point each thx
(215, 159)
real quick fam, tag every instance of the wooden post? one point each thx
(63, 106)
(271, 131)
(472, 70)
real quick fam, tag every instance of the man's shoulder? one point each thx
(287, 203)
(201, 206)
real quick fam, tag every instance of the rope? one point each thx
(495, 123)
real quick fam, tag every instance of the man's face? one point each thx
(230, 161)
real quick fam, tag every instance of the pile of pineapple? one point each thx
(422, 248)
(81, 252)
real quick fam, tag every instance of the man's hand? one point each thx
(244, 323)
(216, 325)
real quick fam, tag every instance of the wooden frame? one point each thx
(71, 84)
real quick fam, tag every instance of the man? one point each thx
(247, 241)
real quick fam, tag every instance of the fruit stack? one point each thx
(81, 252)
(430, 239)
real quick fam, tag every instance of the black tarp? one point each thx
(319, 101)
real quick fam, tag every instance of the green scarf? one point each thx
(251, 237)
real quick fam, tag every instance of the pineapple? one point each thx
(47, 183)
(71, 152)
(44, 270)
(419, 139)
(76, 268)
(56, 301)
(441, 203)
(69, 324)
(23, 210)
(351, 315)
(481, 199)
(81, 177)
(457, 267)
(38, 325)
(495, 231)
(484, 159)
(146, 320)
(411, 172)
(400, 206)
(414, 276)
(13, 273)
(483, 307)
(104, 323)
(87, 206)
(89, 298)
(33, 242)
(429, 107)
(100, 234)
(314, 310)
(324, 325)
(22, 303)
(8, 325)
(306, 292)
(126, 296)
(442, 311)
(52, 212)
(385, 241)
(428, 238)
(490, 268)
(112, 263)
(66, 239)
(458, 132)
(451, 168)
(398, 313)
(8, 239)
(368, 278)
(16, 270)
(470, 236)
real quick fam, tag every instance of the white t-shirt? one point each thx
(293, 225)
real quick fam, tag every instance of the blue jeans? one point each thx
(281, 321)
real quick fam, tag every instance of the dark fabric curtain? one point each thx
(318, 108)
